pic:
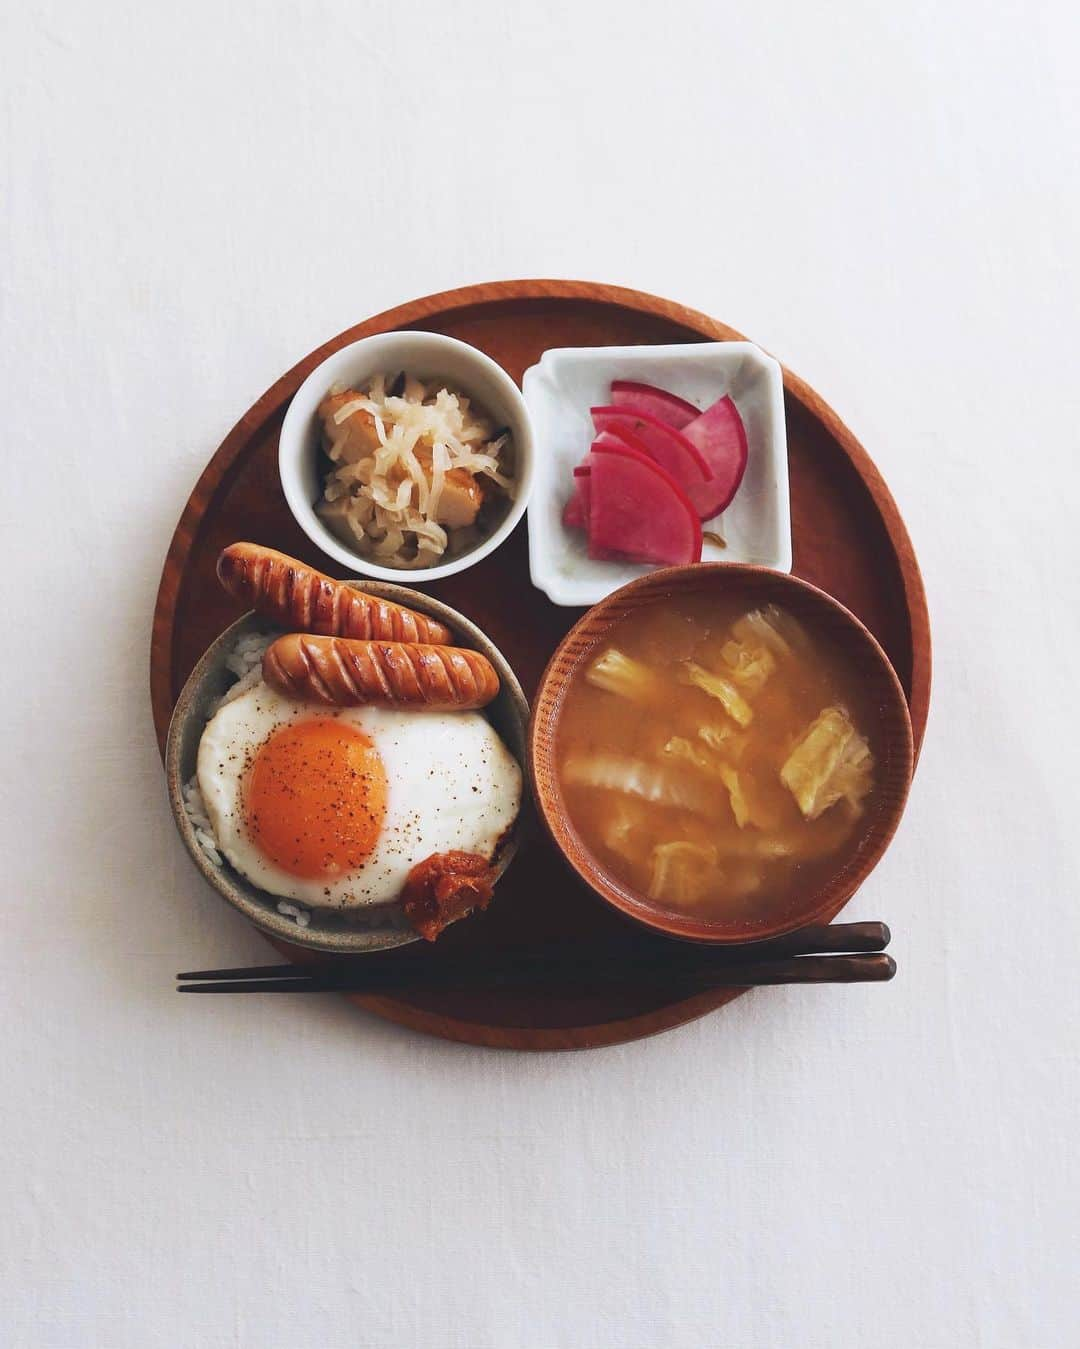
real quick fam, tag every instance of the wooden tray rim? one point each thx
(414, 312)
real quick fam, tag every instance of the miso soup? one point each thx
(714, 759)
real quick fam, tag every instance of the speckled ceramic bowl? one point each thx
(375, 929)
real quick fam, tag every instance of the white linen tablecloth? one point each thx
(193, 197)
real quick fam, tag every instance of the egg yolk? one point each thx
(315, 798)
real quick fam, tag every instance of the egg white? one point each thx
(451, 784)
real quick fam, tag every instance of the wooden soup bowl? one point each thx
(889, 736)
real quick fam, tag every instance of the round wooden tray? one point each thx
(848, 539)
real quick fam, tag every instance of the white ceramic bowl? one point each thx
(568, 381)
(427, 356)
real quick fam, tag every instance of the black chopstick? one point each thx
(819, 939)
(838, 953)
(837, 969)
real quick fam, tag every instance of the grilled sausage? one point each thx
(343, 672)
(296, 596)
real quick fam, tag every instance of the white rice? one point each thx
(200, 821)
(244, 661)
(294, 911)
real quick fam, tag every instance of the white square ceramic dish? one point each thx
(568, 381)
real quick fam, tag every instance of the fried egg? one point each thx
(334, 806)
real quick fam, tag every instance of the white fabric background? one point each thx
(196, 195)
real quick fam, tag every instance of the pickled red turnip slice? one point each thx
(721, 437)
(665, 407)
(672, 451)
(573, 516)
(637, 510)
(576, 511)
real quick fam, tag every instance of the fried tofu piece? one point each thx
(460, 501)
(462, 496)
(352, 439)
